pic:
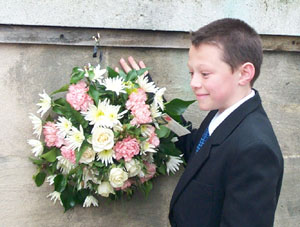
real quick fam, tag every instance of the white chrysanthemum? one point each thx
(37, 125)
(144, 83)
(64, 126)
(64, 165)
(147, 147)
(90, 200)
(115, 84)
(98, 74)
(173, 164)
(75, 138)
(113, 116)
(96, 114)
(104, 115)
(55, 196)
(106, 156)
(50, 179)
(89, 174)
(148, 157)
(37, 147)
(158, 98)
(146, 130)
(44, 104)
(154, 108)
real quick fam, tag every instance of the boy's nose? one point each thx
(195, 81)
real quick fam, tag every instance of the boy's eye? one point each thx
(205, 74)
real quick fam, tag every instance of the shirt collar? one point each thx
(220, 117)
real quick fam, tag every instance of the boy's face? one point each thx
(212, 80)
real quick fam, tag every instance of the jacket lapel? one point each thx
(219, 135)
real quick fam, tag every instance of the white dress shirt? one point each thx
(220, 117)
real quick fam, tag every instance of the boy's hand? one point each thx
(133, 65)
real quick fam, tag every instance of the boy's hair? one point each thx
(240, 42)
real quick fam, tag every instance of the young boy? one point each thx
(234, 164)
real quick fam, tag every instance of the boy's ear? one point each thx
(247, 71)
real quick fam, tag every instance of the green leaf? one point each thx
(91, 74)
(62, 89)
(81, 195)
(77, 74)
(111, 73)
(147, 187)
(141, 71)
(122, 74)
(162, 132)
(68, 197)
(79, 153)
(36, 161)
(169, 148)
(176, 107)
(162, 169)
(132, 75)
(50, 156)
(60, 182)
(94, 93)
(40, 178)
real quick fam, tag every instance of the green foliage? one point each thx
(168, 148)
(50, 156)
(94, 93)
(36, 161)
(176, 107)
(77, 74)
(147, 187)
(39, 178)
(60, 183)
(62, 89)
(68, 197)
(79, 153)
(62, 107)
(162, 132)
(111, 73)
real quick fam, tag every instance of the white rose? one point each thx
(117, 177)
(102, 139)
(133, 167)
(88, 156)
(105, 188)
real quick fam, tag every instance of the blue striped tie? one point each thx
(203, 139)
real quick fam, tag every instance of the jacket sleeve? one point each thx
(252, 187)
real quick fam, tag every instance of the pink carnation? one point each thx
(142, 115)
(126, 184)
(151, 170)
(52, 138)
(136, 98)
(78, 97)
(68, 154)
(126, 148)
(154, 140)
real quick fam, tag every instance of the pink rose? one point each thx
(52, 138)
(78, 97)
(126, 148)
(151, 170)
(68, 154)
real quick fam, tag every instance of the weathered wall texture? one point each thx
(26, 69)
(279, 17)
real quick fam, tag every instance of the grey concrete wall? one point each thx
(279, 17)
(26, 69)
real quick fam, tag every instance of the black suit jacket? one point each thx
(235, 179)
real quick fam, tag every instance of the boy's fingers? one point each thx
(124, 65)
(117, 69)
(142, 64)
(133, 63)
